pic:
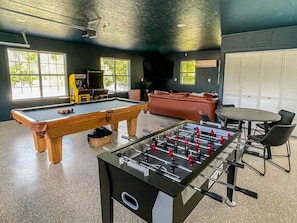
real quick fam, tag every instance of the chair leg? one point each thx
(288, 157)
(253, 168)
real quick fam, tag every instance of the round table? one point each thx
(249, 115)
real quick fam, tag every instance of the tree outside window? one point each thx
(36, 74)
(116, 75)
(187, 72)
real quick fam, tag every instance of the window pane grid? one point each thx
(35, 75)
(116, 74)
(187, 72)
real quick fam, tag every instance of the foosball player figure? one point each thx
(145, 156)
(186, 146)
(193, 137)
(191, 161)
(209, 149)
(166, 141)
(175, 143)
(172, 163)
(222, 140)
(197, 149)
(154, 147)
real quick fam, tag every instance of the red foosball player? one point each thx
(190, 159)
(154, 147)
(197, 145)
(212, 133)
(222, 140)
(171, 154)
(209, 149)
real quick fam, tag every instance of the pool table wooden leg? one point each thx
(131, 125)
(39, 142)
(114, 126)
(54, 149)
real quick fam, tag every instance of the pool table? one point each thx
(48, 126)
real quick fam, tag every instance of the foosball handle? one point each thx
(209, 194)
(246, 192)
(240, 165)
(212, 195)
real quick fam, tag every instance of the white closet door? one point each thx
(251, 71)
(288, 99)
(267, 80)
(270, 90)
(232, 83)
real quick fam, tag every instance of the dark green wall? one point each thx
(272, 39)
(202, 74)
(80, 57)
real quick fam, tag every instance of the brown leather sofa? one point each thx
(182, 105)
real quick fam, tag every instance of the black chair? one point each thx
(204, 117)
(287, 118)
(229, 121)
(278, 135)
(205, 120)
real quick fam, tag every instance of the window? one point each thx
(187, 72)
(36, 74)
(116, 75)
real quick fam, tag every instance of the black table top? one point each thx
(248, 114)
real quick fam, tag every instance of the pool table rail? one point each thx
(48, 134)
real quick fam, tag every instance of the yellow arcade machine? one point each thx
(78, 88)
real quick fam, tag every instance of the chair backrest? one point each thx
(204, 117)
(286, 117)
(278, 135)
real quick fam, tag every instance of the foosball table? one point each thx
(162, 176)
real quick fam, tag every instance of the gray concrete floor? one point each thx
(34, 190)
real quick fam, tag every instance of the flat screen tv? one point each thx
(158, 69)
(95, 79)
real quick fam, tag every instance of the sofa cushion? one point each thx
(182, 105)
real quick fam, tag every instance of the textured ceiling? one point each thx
(145, 25)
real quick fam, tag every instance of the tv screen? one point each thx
(95, 79)
(153, 69)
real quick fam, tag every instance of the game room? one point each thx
(131, 111)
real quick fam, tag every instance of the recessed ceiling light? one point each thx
(181, 25)
(20, 20)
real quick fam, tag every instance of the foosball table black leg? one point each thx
(231, 179)
(107, 208)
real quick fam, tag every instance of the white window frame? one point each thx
(189, 72)
(106, 74)
(56, 75)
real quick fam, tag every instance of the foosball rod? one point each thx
(182, 148)
(152, 168)
(165, 161)
(197, 162)
(175, 154)
(233, 163)
(233, 187)
(204, 137)
(209, 194)
(194, 131)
